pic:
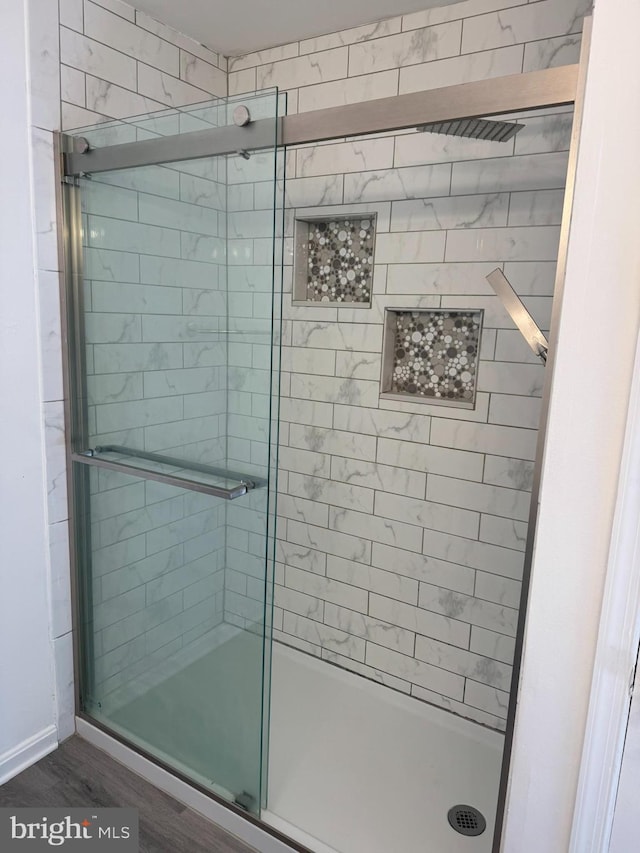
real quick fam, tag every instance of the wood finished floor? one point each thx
(79, 774)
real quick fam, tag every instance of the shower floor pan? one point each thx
(358, 768)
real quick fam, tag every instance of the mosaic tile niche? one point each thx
(334, 260)
(431, 356)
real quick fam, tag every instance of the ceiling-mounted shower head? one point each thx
(475, 128)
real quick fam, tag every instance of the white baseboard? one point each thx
(32, 749)
(233, 823)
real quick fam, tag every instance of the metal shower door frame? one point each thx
(518, 93)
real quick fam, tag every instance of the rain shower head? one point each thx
(475, 128)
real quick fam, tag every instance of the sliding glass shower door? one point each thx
(174, 322)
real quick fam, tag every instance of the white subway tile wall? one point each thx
(155, 269)
(117, 62)
(402, 526)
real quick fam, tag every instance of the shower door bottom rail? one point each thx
(155, 462)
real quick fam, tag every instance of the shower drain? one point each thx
(466, 820)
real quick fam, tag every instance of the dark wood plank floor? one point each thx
(79, 774)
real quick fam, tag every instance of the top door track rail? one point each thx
(551, 87)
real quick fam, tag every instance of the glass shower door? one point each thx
(174, 384)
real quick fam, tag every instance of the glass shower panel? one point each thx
(173, 474)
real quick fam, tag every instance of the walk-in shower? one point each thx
(303, 431)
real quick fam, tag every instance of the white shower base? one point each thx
(358, 768)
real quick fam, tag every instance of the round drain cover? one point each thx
(466, 820)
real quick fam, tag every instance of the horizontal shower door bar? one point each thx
(236, 490)
(533, 90)
(170, 149)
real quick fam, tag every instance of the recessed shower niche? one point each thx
(334, 259)
(431, 356)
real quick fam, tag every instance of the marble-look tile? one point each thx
(500, 590)
(110, 100)
(124, 358)
(118, 7)
(146, 22)
(115, 387)
(432, 459)
(64, 686)
(375, 528)
(523, 24)
(515, 411)
(495, 617)
(74, 117)
(435, 516)
(380, 423)
(542, 207)
(113, 328)
(397, 480)
(367, 671)
(166, 89)
(503, 532)
(396, 184)
(72, 14)
(353, 90)
(454, 11)
(358, 365)
(44, 199)
(552, 52)
(502, 377)
(355, 35)
(513, 473)
(392, 636)
(316, 192)
(327, 589)
(330, 541)
(423, 568)
(415, 671)
(96, 58)
(420, 621)
(545, 134)
(483, 65)
(459, 708)
(130, 39)
(503, 244)
(488, 699)
(327, 389)
(386, 583)
(56, 462)
(484, 438)
(437, 278)
(60, 579)
(324, 636)
(482, 669)
(507, 503)
(304, 70)
(50, 335)
(301, 509)
(201, 74)
(411, 247)
(241, 82)
(477, 211)
(332, 441)
(263, 57)
(349, 337)
(358, 156)
(475, 555)
(72, 86)
(411, 48)
(290, 554)
(330, 492)
(532, 172)
(489, 644)
(44, 67)
(299, 603)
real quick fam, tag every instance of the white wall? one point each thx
(587, 423)
(26, 667)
